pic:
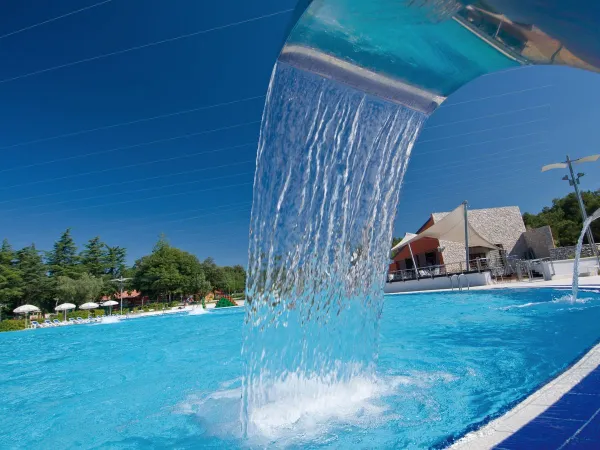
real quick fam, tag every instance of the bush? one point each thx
(13, 325)
(225, 303)
(174, 303)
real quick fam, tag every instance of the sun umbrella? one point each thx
(26, 309)
(89, 305)
(110, 304)
(65, 307)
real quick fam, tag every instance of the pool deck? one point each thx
(564, 414)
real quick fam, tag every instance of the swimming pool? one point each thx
(447, 362)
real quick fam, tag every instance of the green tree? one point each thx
(94, 257)
(85, 288)
(234, 278)
(10, 277)
(564, 217)
(214, 274)
(167, 271)
(63, 259)
(199, 285)
(35, 288)
(115, 261)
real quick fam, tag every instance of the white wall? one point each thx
(428, 284)
(564, 268)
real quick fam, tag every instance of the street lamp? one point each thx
(574, 181)
(121, 282)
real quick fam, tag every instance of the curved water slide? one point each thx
(352, 87)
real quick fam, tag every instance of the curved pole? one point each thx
(418, 52)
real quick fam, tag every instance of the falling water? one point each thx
(329, 168)
(586, 225)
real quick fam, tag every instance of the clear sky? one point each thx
(190, 174)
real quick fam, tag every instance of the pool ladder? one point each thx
(458, 283)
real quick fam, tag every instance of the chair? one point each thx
(35, 324)
(80, 320)
(72, 321)
(48, 323)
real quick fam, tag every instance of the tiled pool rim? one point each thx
(496, 431)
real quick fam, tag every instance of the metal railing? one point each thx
(500, 267)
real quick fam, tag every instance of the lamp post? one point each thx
(121, 282)
(574, 181)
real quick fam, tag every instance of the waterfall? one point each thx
(330, 165)
(586, 224)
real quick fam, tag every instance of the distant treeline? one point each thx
(564, 217)
(64, 274)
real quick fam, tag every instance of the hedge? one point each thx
(12, 325)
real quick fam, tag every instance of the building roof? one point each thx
(450, 227)
(475, 214)
(126, 294)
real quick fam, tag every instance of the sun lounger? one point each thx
(57, 322)
(72, 321)
(35, 324)
(47, 323)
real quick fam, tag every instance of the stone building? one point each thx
(503, 227)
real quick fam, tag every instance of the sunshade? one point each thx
(65, 307)
(450, 228)
(26, 309)
(89, 305)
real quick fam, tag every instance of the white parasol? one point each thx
(110, 304)
(65, 307)
(26, 309)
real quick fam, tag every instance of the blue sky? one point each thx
(190, 174)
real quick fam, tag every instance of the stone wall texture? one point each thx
(498, 225)
(539, 241)
(569, 252)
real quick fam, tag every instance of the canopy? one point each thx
(65, 307)
(450, 228)
(405, 240)
(26, 309)
(89, 305)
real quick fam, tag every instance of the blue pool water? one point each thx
(447, 362)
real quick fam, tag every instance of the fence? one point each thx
(499, 267)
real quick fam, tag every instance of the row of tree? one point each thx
(64, 274)
(564, 217)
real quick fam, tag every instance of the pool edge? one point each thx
(496, 431)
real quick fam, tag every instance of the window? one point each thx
(408, 264)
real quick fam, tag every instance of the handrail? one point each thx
(452, 281)
(460, 285)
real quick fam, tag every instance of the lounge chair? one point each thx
(35, 324)
(47, 323)
(57, 322)
(80, 320)
(72, 321)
